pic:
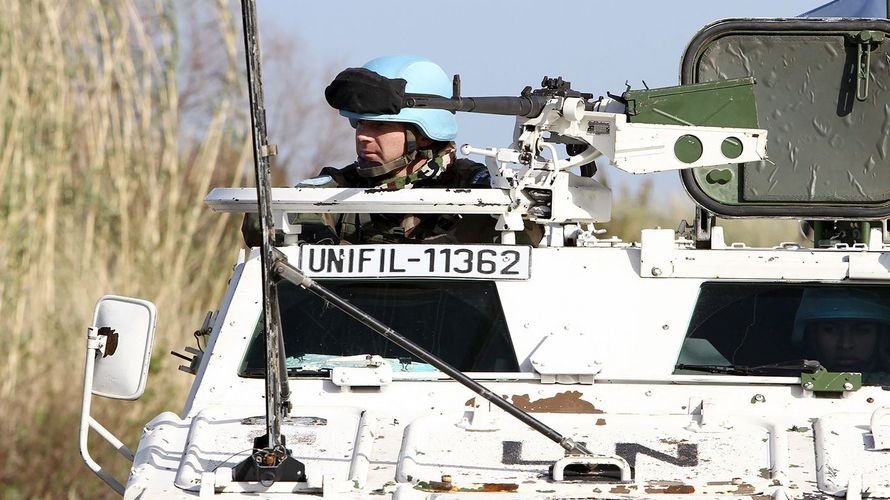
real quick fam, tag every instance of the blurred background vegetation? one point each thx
(117, 118)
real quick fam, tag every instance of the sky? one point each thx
(499, 47)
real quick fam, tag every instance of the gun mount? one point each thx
(538, 182)
(593, 127)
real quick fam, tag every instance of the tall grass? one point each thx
(100, 192)
(116, 117)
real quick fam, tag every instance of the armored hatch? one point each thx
(823, 93)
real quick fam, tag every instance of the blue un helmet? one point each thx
(423, 77)
(827, 304)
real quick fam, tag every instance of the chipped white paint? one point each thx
(844, 456)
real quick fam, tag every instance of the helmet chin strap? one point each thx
(370, 170)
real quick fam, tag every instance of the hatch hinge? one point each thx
(866, 41)
(704, 223)
(377, 373)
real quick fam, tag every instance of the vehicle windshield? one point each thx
(461, 322)
(774, 327)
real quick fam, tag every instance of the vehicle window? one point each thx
(846, 328)
(460, 321)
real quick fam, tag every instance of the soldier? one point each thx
(846, 330)
(413, 148)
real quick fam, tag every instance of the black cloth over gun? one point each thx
(362, 91)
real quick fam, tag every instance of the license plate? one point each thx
(493, 262)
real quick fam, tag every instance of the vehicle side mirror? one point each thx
(124, 328)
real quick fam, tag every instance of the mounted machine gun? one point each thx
(533, 181)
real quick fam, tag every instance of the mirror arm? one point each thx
(95, 348)
(121, 448)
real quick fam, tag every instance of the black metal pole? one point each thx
(285, 270)
(271, 460)
(264, 194)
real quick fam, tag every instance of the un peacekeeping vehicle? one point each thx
(583, 366)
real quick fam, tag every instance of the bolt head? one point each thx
(656, 271)
(808, 386)
(848, 386)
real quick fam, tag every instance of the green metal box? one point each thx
(725, 103)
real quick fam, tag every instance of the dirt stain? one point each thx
(745, 489)
(492, 487)
(674, 489)
(672, 441)
(563, 402)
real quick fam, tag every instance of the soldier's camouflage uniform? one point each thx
(433, 170)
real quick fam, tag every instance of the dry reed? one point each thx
(100, 192)
(117, 118)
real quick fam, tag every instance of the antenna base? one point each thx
(269, 465)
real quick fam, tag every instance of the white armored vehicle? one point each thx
(583, 366)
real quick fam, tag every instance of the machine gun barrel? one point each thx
(526, 106)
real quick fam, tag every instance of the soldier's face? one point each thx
(845, 345)
(379, 142)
